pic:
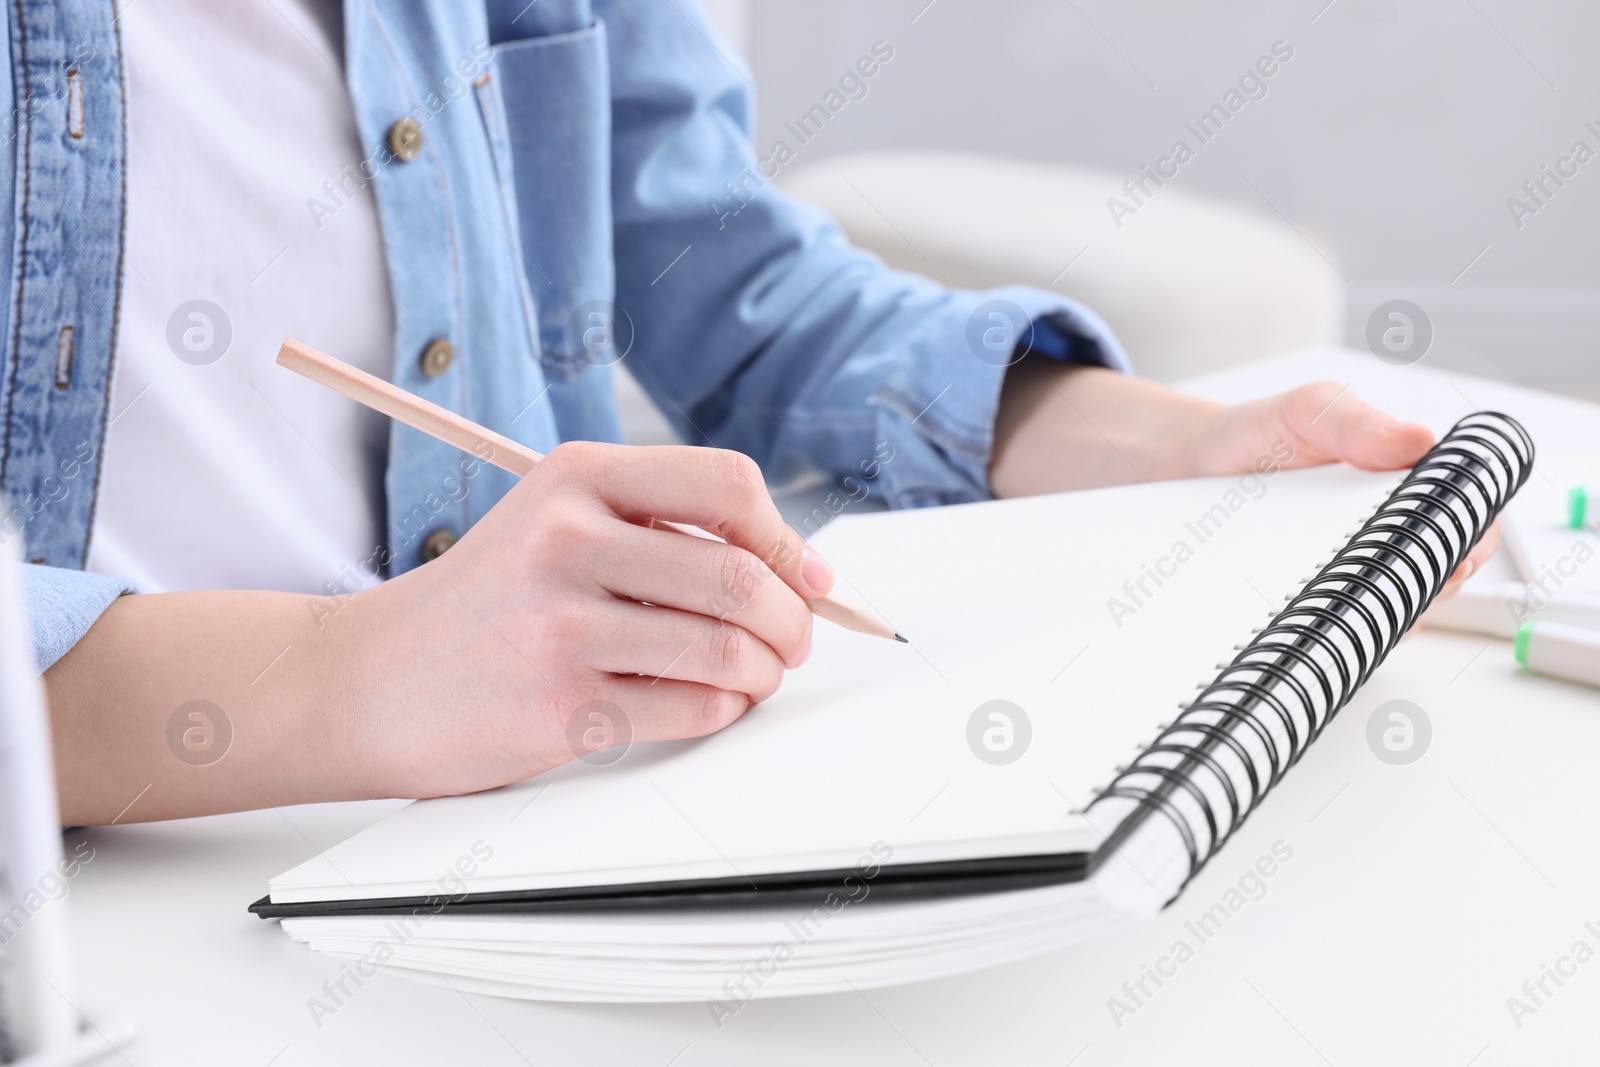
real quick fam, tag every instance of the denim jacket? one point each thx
(585, 191)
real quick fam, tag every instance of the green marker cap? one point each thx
(1577, 506)
(1524, 633)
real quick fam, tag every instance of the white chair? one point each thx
(1188, 284)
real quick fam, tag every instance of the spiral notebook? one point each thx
(1006, 784)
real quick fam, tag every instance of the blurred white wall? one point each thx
(1395, 135)
(732, 17)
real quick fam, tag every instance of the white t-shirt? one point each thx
(232, 472)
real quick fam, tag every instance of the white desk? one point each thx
(1417, 900)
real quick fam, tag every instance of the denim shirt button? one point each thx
(437, 357)
(405, 138)
(437, 544)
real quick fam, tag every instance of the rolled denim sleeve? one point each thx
(63, 604)
(758, 327)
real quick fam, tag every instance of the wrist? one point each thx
(1177, 438)
(345, 690)
(1199, 439)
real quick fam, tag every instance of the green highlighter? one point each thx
(1577, 507)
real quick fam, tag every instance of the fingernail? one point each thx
(1466, 569)
(815, 570)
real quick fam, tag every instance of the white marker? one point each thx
(1578, 507)
(1498, 609)
(1560, 650)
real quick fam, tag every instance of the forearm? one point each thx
(1063, 426)
(272, 730)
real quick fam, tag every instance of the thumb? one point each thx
(1325, 423)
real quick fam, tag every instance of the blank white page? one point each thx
(1051, 603)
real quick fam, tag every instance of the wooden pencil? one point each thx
(499, 450)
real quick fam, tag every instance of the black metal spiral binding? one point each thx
(1210, 768)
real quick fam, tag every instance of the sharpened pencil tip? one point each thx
(902, 640)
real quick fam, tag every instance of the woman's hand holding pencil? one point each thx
(579, 586)
(563, 594)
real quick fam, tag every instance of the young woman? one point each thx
(489, 205)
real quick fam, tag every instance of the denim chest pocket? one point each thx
(550, 126)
